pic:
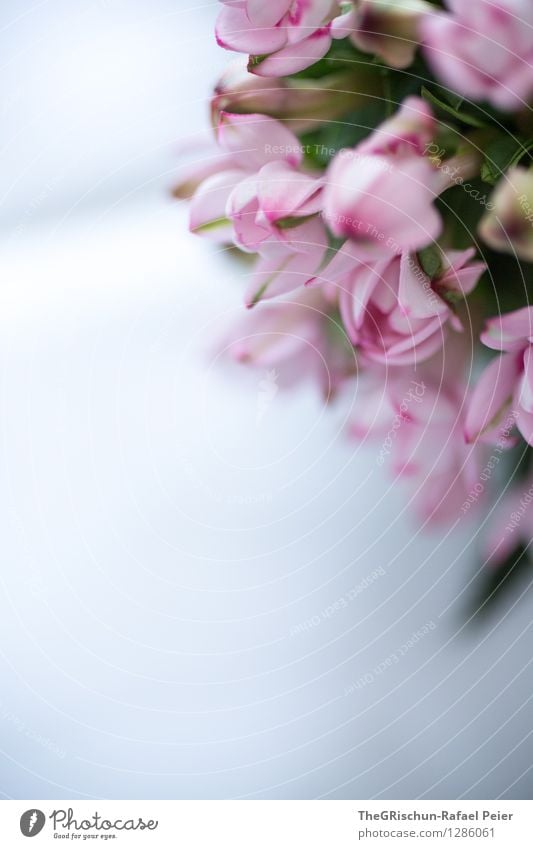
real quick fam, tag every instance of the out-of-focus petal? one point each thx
(258, 139)
(492, 396)
(294, 57)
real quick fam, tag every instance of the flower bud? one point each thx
(388, 28)
(304, 102)
(380, 194)
(508, 225)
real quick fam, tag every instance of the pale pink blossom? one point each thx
(380, 194)
(299, 337)
(244, 143)
(415, 418)
(259, 197)
(303, 103)
(286, 265)
(505, 388)
(387, 28)
(260, 205)
(483, 49)
(281, 36)
(396, 314)
(508, 224)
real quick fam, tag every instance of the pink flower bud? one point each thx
(298, 337)
(387, 28)
(281, 36)
(483, 49)
(505, 388)
(395, 313)
(508, 225)
(414, 416)
(381, 193)
(302, 103)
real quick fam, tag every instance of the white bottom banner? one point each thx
(267, 824)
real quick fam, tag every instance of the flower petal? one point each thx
(526, 385)
(284, 192)
(491, 396)
(294, 57)
(258, 139)
(266, 13)
(509, 332)
(234, 31)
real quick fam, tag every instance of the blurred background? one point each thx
(198, 601)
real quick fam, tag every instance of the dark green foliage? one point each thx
(498, 584)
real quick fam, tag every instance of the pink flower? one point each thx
(380, 194)
(483, 49)
(388, 28)
(395, 314)
(245, 144)
(417, 418)
(258, 196)
(255, 185)
(286, 265)
(260, 205)
(306, 103)
(508, 223)
(504, 392)
(281, 36)
(298, 337)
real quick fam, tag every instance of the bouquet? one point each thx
(373, 158)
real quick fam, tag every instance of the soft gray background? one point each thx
(160, 547)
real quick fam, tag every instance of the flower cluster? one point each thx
(390, 214)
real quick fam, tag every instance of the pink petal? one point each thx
(234, 31)
(241, 208)
(343, 25)
(193, 173)
(258, 139)
(382, 201)
(208, 206)
(415, 295)
(284, 192)
(409, 131)
(526, 385)
(464, 280)
(491, 396)
(354, 298)
(524, 423)
(416, 353)
(266, 13)
(343, 261)
(294, 57)
(509, 332)
(306, 16)
(421, 332)
(385, 296)
(277, 273)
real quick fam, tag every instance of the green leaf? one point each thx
(448, 109)
(292, 221)
(431, 260)
(212, 225)
(341, 55)
(321, 145)
(495, 584)
(522, 151)
(335, 243)
(501, 154)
